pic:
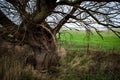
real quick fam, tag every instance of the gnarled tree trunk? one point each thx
(44, 47)
(39, 38)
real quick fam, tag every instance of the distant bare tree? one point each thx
(36, 22)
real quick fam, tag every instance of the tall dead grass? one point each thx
(95, 65)
(74, 65)
(12, 64)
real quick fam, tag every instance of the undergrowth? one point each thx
(95, 65)
(77, 65)
(13, 67)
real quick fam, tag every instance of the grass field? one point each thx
(79, 39)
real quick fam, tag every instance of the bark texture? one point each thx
(44, 48)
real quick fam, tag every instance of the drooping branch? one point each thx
(67, 2)
(97, 19)
(63, 21)
(109, 26)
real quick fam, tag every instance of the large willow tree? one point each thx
(36, 22)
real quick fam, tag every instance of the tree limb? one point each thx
(63, 21)
(67, 2)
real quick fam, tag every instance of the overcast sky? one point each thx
(17, 20)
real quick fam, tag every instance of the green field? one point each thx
(79, 39)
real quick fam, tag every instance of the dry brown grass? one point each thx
(95, 65)
(12, 63)
(75, 65)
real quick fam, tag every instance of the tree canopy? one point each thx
(58, 13)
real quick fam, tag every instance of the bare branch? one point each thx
(67, 2)
(63, 21)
